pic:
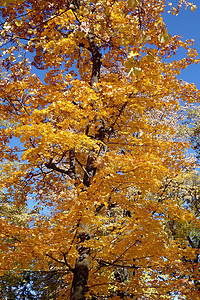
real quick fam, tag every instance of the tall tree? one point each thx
(90, 152)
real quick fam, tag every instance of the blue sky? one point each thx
(187, 25)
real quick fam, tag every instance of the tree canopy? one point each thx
(90, 149)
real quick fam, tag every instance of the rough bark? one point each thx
(79, 284)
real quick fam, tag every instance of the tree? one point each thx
(194, 130)
(185, 190)
(89, 151)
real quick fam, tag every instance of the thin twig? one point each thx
(57, 260)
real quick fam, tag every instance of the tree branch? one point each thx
(96, 61)
(57, 260)
(52, 166)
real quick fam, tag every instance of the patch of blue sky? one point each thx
(187, 26)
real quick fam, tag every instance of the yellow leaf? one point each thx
(133, 3)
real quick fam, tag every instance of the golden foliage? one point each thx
(90, 148)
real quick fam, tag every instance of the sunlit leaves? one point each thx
(92, 102)
(133, 3)
(175, 10)
(8, 2)
(163, 37)
(132, 64)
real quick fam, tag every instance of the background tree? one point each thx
(90, 152)
(185, 190)
(194, 128)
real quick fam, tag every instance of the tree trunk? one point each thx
(79, 284)
(81, 269)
